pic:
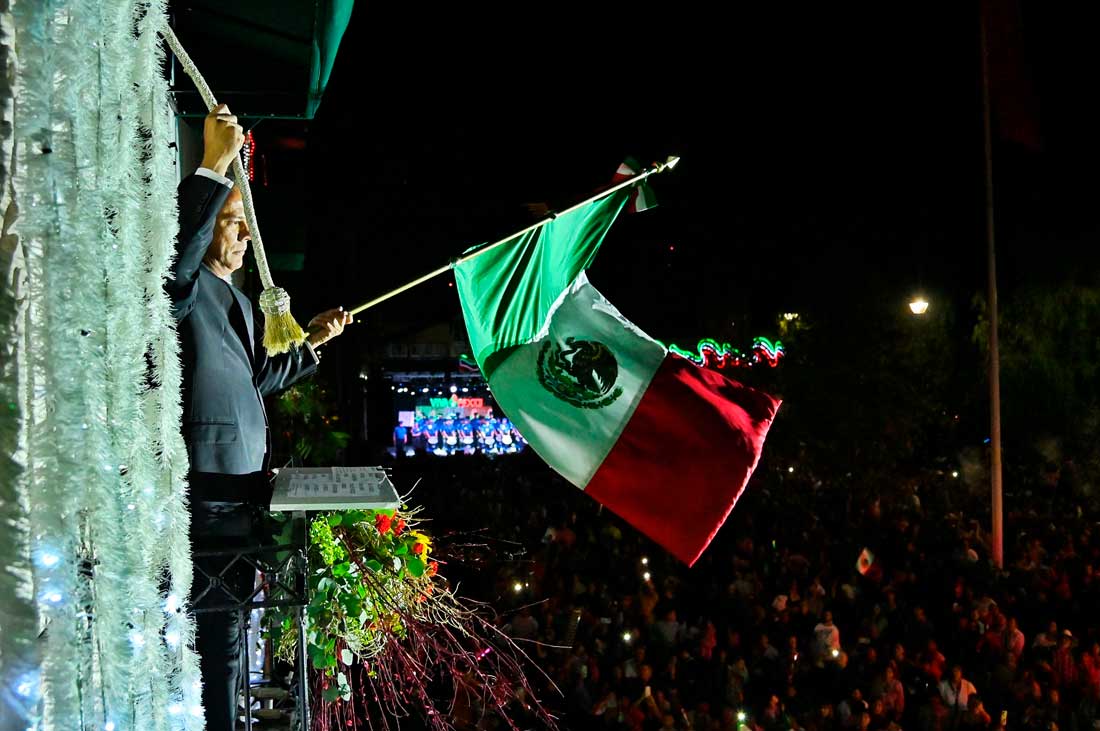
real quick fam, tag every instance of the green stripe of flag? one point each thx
(507, 293)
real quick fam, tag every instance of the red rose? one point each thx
(382, 523)
(399, 526)
(418, 549)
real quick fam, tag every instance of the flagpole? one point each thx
(657, 167)
(997, 547)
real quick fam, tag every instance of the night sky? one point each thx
(826, 154)
(831, 157)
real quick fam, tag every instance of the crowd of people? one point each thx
(780, 626)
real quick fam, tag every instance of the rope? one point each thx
(273, 300)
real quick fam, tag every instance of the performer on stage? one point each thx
(400, 440)
(226, 374)
(449, 432)
(466, 435)
(487, 434)
(507, 438)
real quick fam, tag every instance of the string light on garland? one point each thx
(466, 363)
(48, 559)
(709, 352)
(248, 155)
(26, 685)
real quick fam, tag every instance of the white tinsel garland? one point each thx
(97, 490)
(19, 661)
(45, 197)
(162, 404)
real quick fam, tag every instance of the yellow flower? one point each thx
(422, 540)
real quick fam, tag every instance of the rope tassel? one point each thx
(281, 331)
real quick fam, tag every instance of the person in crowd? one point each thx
(1090, 670)
(525, 626)
(956, 691)
(826, 638)
(1014, 641)
(976, 717)
(1064, 665)
(893, 694)
(851, 708)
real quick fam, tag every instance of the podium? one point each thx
(333, 488)
(284, 567)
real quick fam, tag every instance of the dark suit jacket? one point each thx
(226, 372)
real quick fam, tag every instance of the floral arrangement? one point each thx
(386, 635)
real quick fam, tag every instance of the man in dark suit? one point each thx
(226, 374)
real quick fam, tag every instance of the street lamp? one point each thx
(918, 306)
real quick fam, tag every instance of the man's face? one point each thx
(231, 236)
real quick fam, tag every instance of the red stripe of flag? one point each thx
(685, 456)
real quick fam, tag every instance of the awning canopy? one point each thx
(263, 59)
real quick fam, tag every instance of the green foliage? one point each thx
(304, 426)
(872, 385)
(1050, 365)
(368, 570)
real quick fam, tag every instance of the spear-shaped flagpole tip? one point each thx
(657, 167)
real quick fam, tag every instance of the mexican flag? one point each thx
(665, 444)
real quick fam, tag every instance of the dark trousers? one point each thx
(225, 516)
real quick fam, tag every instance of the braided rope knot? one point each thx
(274, 301)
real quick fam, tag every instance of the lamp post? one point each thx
(918, 306)
(994, 355)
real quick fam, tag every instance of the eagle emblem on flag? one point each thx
(582, 373)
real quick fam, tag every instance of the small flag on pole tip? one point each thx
(866, 565)
(642, 198)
